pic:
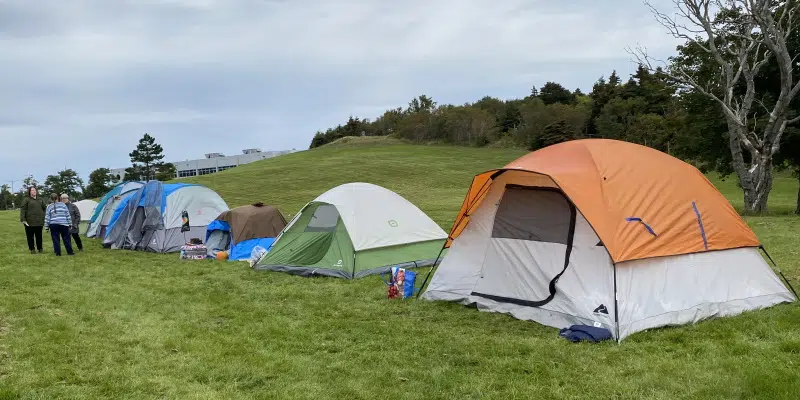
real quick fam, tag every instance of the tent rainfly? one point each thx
(105, 208)
(354, 230)
(604, 233)
(241, 229)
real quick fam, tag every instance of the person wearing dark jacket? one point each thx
(58, 222)
(75, 215)
(31, 215)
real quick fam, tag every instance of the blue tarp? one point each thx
(238, 251)
(217, 225)
(243, 250)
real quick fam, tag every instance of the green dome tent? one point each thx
(354, 230)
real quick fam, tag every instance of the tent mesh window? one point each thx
(325, 219)
(533, 214)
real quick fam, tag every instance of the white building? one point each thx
(214, 162)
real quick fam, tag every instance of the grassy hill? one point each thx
(435, 178)
(118, 324)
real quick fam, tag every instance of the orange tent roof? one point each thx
(611, 182)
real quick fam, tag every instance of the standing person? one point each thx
(58, 222)
(75, 215)
(31, 214)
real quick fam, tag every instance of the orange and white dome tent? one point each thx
(557, 235)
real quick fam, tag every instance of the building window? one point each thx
(187, 173)
(226, 167)
(206, 171)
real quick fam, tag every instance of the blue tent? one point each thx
(107, 205)
(162, 217)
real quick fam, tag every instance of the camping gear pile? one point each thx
(595, 237)
(193, 252)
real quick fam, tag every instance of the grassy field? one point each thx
(118, 324)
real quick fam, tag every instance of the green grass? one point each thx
(118, 324)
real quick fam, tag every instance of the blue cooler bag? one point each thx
(401, 286)
(408, 285)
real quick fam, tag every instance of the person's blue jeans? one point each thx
(59, 232)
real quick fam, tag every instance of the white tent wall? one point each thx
(478, 263)
(689, 288)
(86, 208)
(171, 240)
(203, 205)
(376, 217)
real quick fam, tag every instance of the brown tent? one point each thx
(246, 223)
(253, 221)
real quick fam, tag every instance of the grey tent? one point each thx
(163, 217)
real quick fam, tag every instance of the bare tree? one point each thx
(741, 36)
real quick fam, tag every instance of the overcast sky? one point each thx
(82, 80)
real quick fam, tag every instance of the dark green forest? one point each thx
(643, 109)
(646, 109)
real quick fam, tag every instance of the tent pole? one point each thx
(616, 304)
(779, 271)
(428, 275)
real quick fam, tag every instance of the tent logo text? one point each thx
(393, 223)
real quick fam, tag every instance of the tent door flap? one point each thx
(530, 246)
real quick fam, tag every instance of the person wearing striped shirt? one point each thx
(58, 222)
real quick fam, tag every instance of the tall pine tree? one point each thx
(146, 159)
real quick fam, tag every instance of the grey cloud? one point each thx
(91, 76)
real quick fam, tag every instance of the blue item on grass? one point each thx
(577, 333)
(408, 284)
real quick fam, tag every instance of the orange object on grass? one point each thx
(222, 255)
(614, 183)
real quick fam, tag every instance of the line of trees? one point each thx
(726, 102)
(146, 164)
(66, 181)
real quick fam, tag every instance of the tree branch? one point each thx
(686, 79)
(741, 37)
